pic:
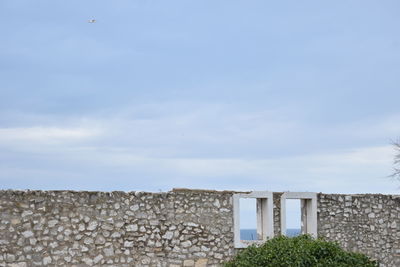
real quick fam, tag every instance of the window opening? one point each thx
(248, 219)
(308, 207)
(293, 217)
(252, 212)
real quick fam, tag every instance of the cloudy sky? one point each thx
(243, 95)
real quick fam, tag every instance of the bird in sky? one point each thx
(92, 21)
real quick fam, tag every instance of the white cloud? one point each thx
(385, 127)
(206, 147)
(358, 170)
(45, 134)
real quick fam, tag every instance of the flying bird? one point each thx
(92, 21)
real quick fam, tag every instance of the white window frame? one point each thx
(309, 221)
(265, 218)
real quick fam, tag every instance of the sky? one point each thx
(226, 95)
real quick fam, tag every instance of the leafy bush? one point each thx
(300, 251)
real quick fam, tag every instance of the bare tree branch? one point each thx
(396, 161)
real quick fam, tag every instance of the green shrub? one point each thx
(300, 251)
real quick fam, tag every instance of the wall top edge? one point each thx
(174, 190)
(209, 191)
(358, 194)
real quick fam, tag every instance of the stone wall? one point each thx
(64, 228)
(365, 223)
(177, 228)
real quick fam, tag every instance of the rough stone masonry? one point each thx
(177, 228)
